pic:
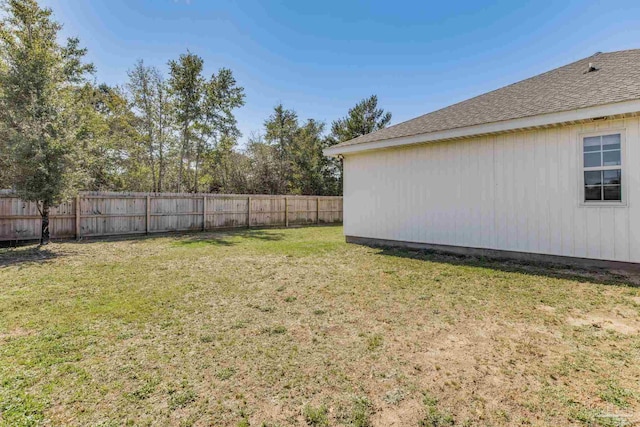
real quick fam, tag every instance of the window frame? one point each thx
(621, 167)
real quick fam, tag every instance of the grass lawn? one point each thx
(296, 327)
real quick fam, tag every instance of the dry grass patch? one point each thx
(295, 327)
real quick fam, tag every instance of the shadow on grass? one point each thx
(227, 238)
(32, 255)
(182, 237)
(554, 271)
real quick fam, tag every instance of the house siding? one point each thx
(513, 192)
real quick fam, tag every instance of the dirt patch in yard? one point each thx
(628, 325)
(15, 333)
(397, 415)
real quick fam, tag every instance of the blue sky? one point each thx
(321, 57)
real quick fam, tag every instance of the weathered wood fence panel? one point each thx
(94, 214)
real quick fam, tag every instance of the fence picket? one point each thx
(110, 213)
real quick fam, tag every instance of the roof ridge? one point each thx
(561, 83)
(494, 90)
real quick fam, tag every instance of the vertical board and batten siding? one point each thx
(110, 214)
(515, 192)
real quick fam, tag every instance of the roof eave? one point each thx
(541, 120)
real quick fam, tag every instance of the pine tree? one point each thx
(362, 119)
(281, 128)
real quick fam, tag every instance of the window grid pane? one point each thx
(593, 143)
(612, 177)
(593, 193)
(611, 142)
(592, 160)
(600, 153)
(592, 178)
(611, 158)
(612, 193)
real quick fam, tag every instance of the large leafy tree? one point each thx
(39, 79)
(115, 153)
(148, 93)
(218, 126)
(186, 86)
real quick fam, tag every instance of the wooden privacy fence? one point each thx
(94, 214)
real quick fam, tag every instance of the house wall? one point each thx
(515, 192)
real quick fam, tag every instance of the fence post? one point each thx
(204, 213)
(147, 222)
(161, 215)
(286, 211)
(249, 212)
(78, 217)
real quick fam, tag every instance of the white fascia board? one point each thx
(504, 126)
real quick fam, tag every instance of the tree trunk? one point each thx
(152, 161)
(45, 237)
(180, 166)
(198, 150)
(160, 137)
(160, 168)
(183, 151)
(160, 158)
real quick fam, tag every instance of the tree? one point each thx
(115, 153)
(281, 128)
(5, 161)
(263, 175)
(101, 160)
(229, 170)
(39, 80)
(186, 88)
(221, 96)
(308, 161)
(147, 90)
(5, 158)
(362, 119)
(164, 122)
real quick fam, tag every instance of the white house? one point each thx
(544, 168)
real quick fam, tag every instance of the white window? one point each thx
(602, 168)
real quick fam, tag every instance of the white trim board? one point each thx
(607, 110)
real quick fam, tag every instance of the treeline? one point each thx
(60, 132)
(156, 132)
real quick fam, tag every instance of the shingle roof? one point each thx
(566, 88)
